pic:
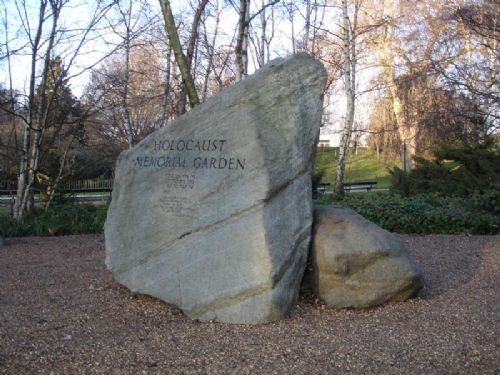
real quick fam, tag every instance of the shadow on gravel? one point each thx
(443, 261)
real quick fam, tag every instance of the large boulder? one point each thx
(355, 263)
(213, 212)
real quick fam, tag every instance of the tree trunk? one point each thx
(262, 47)
(55, 186)
(166, 90)
(40, 97)
(126, 111)
(405, 123)
(31, 142)
(241, 48)
(270, 38)
(388, 63)
(41, 117)
(307, 26)
(190, 52)
(292, 28)
(180, 58)
(349, 38)
(194, 31)
(210, 49)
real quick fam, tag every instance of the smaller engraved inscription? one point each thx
(177, 206)
(179, 181)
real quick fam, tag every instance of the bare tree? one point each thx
(127, 22)
(183, 62)
(262, 36)
(10, 137)
(290, 10)
(42, 38)
(474, 68)
(241, 49)
(210, 45)
(33, 124)
(192, 47)
(406, 58)
(350, 30)
(132, 21)
(166, 90)
(243, 35)
(145, 95)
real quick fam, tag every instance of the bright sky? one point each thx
(74, 17)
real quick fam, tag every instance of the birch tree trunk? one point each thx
(40, 97)
(41, 114)
(32, 131)
(19, 210)
(241, 48)
(349, 51)
(9, 71)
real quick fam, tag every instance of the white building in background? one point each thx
(323, 143)
(329, 140)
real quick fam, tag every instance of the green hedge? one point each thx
(429, 213)
(56, 221)
(454, 171)
(424, 213)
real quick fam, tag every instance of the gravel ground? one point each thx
(62, 313)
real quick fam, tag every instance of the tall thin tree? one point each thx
(349, 29)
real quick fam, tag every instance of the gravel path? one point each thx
(62, 313)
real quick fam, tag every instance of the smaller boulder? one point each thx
(358, 264)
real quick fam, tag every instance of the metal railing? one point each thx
(9, 187)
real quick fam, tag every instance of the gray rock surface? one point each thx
(213, 212)
(358, 264)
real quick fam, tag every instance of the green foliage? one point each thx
(56, 221)
(429, 213)
(456, 171)
(489, 201)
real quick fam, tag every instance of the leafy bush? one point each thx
(489, 201)
(57, 220)
(455, 171)
(429, 213)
